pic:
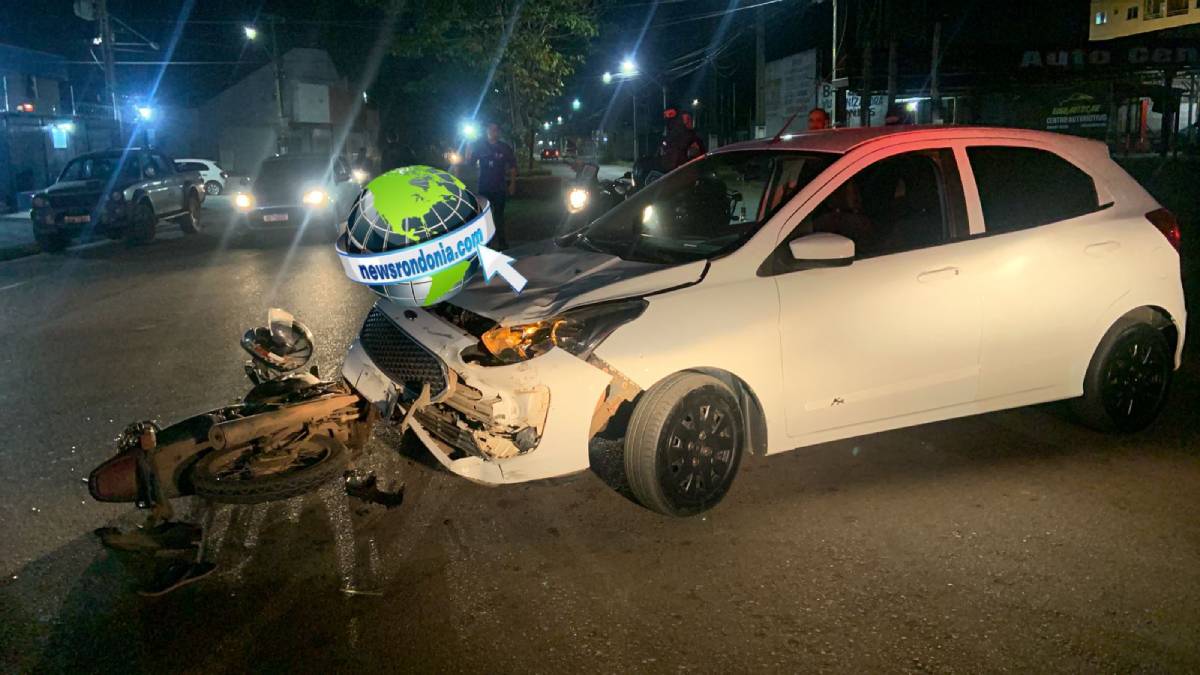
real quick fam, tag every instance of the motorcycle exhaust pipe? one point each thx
(243, 430)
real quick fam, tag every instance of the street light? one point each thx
(607, 77)
(546, 126)
(145, 112)
(559, 118)
(628, 68)
(470, 130)
(695, 103)
(251, 32)
(575, 104)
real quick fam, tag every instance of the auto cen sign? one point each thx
(1140, 55)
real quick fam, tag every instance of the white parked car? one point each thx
(782, 293)
(214, 176)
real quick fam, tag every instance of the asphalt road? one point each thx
(1013, 541)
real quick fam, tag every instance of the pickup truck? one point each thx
(120, 193)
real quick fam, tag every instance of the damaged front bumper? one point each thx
(490, 424)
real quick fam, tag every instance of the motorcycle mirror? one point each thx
(283, 346)
(627, 174)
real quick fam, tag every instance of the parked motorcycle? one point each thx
(291, 433)
(588, 197)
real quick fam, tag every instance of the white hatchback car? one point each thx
(214, 176)
(787, 292)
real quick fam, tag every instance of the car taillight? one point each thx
(1165, 221)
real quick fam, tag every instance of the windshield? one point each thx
(294, 170)
(704, 208)
(99, 168)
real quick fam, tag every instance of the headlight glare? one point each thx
(578, 331)
(315, 197)
(243, 201)
(577, 198)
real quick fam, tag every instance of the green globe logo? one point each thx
(409, 206)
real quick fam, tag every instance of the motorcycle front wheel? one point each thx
(243, 475)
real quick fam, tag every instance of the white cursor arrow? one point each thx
(494, 262)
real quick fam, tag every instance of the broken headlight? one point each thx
(578, 331)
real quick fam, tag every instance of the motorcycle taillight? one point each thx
(115, 480)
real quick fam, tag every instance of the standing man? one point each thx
(497, 177)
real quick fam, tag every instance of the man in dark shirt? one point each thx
(497, 177)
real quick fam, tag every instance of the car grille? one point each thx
(400, 357)
(81, 202)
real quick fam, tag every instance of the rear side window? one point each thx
(190, 166)
(1021, 188)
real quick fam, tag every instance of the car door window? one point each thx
(1021, 188)
(705, 207)
(899, 203)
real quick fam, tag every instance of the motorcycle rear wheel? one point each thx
(229, 477)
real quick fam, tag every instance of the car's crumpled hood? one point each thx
(564, 277)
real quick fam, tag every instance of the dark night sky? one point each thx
(347, 30)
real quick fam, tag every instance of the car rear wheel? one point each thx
(51, 242)
(1127, 380)
(683, 444)
(189, 222)
(212, 187)
(143, 224)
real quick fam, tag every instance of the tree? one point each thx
(521, 51)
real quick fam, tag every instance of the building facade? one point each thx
(42, 125)
(1112, 19)
(320, 113)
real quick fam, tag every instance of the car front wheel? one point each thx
(212, 187)
(683, 444)
(1127, 380)
(143, 224)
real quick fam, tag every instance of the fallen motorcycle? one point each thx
(291, 433)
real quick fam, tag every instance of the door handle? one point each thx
(1101, 248)
(937, 275)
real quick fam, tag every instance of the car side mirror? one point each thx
(822, 249)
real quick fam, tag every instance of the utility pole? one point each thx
(281, 139)
(864, 98)
(935, 97)
(833, 64)
(760, 70)
(106, 54)
(633, 96)
(892, 75)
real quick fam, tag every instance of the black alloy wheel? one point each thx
(699, 449)
(1135, 379)
(684, 444)
(1127, 380)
